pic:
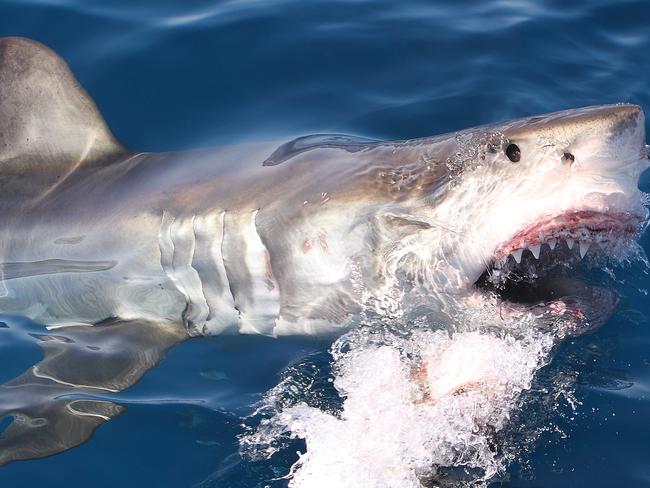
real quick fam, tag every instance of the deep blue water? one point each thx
(171, 75)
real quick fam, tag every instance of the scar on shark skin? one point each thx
(309, 243)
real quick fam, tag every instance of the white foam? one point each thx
(411, 406)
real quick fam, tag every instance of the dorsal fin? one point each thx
(49, 125)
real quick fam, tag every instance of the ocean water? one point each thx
(171, 75)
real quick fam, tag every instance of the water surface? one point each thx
(172, 75)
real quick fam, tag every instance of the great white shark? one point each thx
(122, 254)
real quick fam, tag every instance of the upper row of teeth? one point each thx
(535, 249)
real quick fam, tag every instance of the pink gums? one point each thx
(579, 225)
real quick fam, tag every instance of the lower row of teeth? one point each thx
(535, 249)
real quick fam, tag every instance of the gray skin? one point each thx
(106, 246)
(208, 238)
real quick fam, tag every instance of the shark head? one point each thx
(568, 176)
(521, 203)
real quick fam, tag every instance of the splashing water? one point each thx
(412, 407)
(411, 404)
(420, 406)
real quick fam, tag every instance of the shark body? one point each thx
(298, 237)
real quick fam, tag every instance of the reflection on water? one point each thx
(51, 405)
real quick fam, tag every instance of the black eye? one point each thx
(513, 152)
(568, 158)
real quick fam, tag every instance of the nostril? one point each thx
(569, 158)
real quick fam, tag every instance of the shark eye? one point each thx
(513, 152)
(567, 157)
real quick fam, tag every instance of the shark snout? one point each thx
(609, 122)
(606, 140)
(625, 125)
(625, 116)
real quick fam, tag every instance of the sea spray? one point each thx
(412, 407)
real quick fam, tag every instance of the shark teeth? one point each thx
(535, 250)
(584, 242)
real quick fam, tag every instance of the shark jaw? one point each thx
(540, 200)
(580, 212)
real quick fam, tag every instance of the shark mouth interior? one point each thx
(540, 268)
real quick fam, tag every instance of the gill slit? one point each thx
(223, 259)
(177, 244)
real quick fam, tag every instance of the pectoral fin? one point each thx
(109, 356)
(48, 425)
(50, 408)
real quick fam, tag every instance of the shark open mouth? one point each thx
(583, 227)
(541, 268)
